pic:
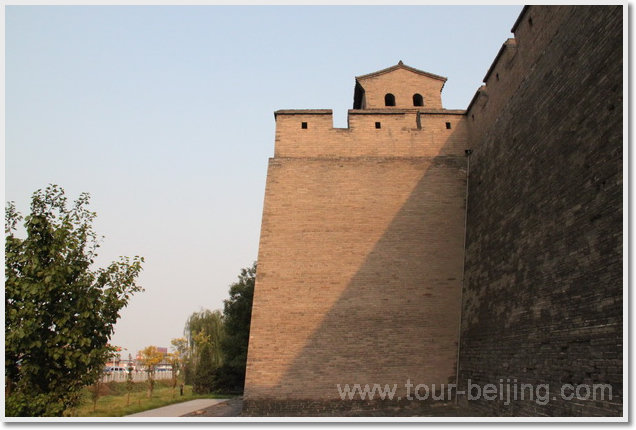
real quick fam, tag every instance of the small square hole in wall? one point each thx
(378, 125)
(448, 126)
(303, 125)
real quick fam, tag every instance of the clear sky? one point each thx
(165, 116)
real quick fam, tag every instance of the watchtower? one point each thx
(400, 87)
(361, 250)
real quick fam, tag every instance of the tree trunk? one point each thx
(149, 387)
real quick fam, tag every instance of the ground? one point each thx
(231, 408)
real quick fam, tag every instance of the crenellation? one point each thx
(371, 132)
(503, 61)
(513, 62)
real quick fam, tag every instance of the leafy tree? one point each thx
(59, 312)
(129, 382)
(96, 388)
(150, 359)
(237, 316)
(204, 373)
(208, 324)
(176, 358)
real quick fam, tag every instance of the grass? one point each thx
(112, 402)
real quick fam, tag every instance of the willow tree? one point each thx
(205, 332)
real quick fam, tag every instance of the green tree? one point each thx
(96, 388)
(177, 358)
(205, 369)
(150, 359)
(210, 324)
(237, 316)
(59, 312)
(129, 382)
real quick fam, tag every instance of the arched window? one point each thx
(418, 100)
(389, 100)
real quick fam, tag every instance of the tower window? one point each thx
(448, 126)
(378, 125)
(418, 100)
(389, 100)
(303, 125)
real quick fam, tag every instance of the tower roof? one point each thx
(401, 65)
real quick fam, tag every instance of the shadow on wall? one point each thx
(543, 297)
(398, 317)
(375, 273)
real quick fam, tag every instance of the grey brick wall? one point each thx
(543, 296)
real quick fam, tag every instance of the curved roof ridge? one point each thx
(401, 65)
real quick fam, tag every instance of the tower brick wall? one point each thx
(362, 246)
(401, 133)
(341, 294)
(403, 83)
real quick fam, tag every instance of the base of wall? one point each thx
(350, 408)
(414, 408)
(529, 408)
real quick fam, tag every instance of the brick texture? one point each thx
(402, 133)
(359, 275)
(403, 84)
(543, 298)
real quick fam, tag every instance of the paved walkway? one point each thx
(230, 408)
(233, 408)
(179, 409)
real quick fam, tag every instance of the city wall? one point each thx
(543, 291)
(361, 262)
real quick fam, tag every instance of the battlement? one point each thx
(534, 30)
(383, 132)
(397, 112)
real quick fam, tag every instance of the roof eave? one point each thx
(401, 65)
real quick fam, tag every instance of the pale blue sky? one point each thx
(165, 116)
